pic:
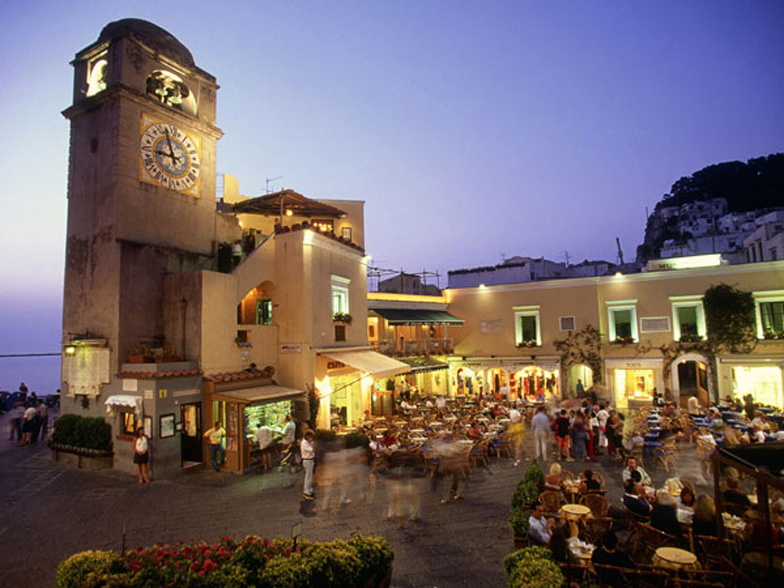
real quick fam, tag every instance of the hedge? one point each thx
(86, 432)
(232, 563)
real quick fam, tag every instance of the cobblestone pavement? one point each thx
(53, 511)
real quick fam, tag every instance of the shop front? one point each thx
(241, 410)
(763, 378)
(508, 378)
(632, 381)
(350, 383)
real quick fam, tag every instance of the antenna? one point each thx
(566, 254)
(269, 181)
(620, 252)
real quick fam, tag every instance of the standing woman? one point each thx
(141, 455)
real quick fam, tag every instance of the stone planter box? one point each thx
(86, 459)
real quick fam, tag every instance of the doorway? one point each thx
(693, 381)
(191, 446)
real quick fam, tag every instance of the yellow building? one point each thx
(507, 344)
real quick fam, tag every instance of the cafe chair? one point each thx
(552, 500)
(635, 521)
(710, 550)
(596, 502)
(566, 474)
(612, 576)
(653, 538)
(595, 527)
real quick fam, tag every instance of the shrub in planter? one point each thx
(325, 435)
(93, 433)
(535, 475)
(64, 428)
(519, 521)
(526, 494)
(532, 566)
(376, 556)
(92, 569)
(353, 440)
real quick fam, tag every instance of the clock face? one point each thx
(170, 157)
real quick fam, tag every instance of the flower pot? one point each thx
(135, 359)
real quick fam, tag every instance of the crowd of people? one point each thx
(28, 418)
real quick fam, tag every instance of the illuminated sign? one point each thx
(691, 262)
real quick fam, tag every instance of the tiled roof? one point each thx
(156, 375)
(240, 376)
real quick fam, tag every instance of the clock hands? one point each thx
(171, 155)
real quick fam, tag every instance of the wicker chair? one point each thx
(594, 528)
(567, 475)
(653, 538)
(635, 521)
(596, 502)
(552, 500)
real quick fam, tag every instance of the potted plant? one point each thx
(519, 520)
(342, 317)
(532, 566)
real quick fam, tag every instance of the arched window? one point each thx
(169, 89)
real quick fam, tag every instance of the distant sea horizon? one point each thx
(40, 374)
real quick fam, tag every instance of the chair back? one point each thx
(595, 528)
(567, 475)
(596, 502)
(551, 500)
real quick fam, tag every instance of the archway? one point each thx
(689, 377)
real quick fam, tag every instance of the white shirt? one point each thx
(538, 529)
(306, 448)
(602, 415)
(141, 444)
(440, 402)
(289, 431)
(264, 437)
(515, 416)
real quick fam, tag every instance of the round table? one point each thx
(573, 514)
(571, 488)
(672, 557)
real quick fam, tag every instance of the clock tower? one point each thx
(141, 195)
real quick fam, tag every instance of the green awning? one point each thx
(407, 316)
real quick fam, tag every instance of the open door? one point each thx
(192, 452)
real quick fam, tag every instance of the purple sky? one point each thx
(471, 129)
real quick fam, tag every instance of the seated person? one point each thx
(639, 475)
(634, 498)
(664, 515)
(687, 499)
(390, 439)
(475, 432)
(588, 483)
(540, 527)
(607, 554)
(558, 544)
(553, 480)
(733, 493)
(703, 522)
(636, 440)
(757, 436)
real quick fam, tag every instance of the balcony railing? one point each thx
(413, 348)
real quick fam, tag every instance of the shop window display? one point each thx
(270, 414)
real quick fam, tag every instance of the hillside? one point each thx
(754, 185)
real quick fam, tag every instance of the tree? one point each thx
(731, 325)
(581, 347)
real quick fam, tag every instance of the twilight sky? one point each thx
(471, 129)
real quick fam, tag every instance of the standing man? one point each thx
(516, 432)
(216, 436)
(541, 425)
(308, 450)
(264, 439)
(562, 426)
(43, 415)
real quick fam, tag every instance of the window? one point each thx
(264, 312)
(340, 302)
(128, 423)
(771, 318)
(527, 329)
(340, 333)
(622, 318)
(688, 318)
(324, 226)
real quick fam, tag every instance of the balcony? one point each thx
(405, 348)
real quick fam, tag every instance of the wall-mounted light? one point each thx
(289, 212)
(70, 350)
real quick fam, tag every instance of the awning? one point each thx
(424, 365)
(124, 401)
(258, 394)
(408, 316)
(375, 364)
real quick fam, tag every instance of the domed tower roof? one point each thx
(151, 35)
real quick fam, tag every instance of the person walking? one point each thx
(43, 415)
(141, 455)
(28, 424)
(216, 436)
(308, 450)
(264, 439)
(16, 415)
(540, 425)
(516, 433)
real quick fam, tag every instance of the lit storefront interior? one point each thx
(763, 382)
(535, 382)
(239, 412)
(347, 387)
(582, 373)
(512, 378)
(633, 381)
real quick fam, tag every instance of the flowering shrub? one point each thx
(535, 475)
(231, 563)
(532, 566)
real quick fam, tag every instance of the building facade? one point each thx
(643, 326)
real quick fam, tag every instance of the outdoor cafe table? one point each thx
(573, 513)
(571, 490)
(674, 558)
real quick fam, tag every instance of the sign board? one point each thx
(130, 385)
(296, 530)
(291, 347)
(494, 326)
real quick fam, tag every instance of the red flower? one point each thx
(201, 573)
(195, 566)
(207, 553)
